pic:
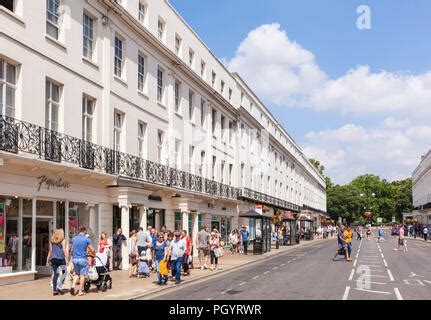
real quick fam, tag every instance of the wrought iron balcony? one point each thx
(18, 136)
(259, 197)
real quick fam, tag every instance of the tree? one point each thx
(318, 165)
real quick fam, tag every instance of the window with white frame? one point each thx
(177, 158)
(252, 177)
(231, 132)
(191, 158)
(222, 124)
(223, 164)
(8, 4)
(160, 141)
(213, 79)
(191, 104)
(202, 113)
(231, 174)
(213, 120)
(160, 85)
(222, 84)
(201, 165)
(203, 68)
(52, 18)
(88, 105)
(191, 57)
(141, 72)
(230, 95)
(161, 28)
(88, 36)
(8, 75)
(213, 168)
(118, 126)
(142, 12)
(178, 42)
(53, 92)
(118, 59)
(242, 175)
(177, 91)
(142, 129)
(242, 99)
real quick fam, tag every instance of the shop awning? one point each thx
(304, 218)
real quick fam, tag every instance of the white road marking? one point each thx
(374, 275)
(352, 274)
(372, 265)
(383, 256)
(374, 282)
(384, 261)
(390, 275)
(209, 298)
(398, 294)
(274, 268)
(226, 291)
(242, 283)
(266, 272)
(354, 263)
(346, 293)
(373, 291)
(254, 278)
(282, 265)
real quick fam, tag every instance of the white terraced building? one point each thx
(116, 114)
(421, 184)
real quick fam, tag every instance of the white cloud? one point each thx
(389, 152)
(283, 72)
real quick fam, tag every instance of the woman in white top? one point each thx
(133, 253)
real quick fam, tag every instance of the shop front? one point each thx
(288, 228)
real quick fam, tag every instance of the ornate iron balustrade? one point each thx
(266, 199)
(19, 136)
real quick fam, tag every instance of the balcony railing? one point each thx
(266, 199)
(22, 137)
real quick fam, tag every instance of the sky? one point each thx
(358, 100)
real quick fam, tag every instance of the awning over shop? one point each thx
(253, 214)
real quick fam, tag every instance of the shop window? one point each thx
(178, 221)
(81, 214)
(189, 232)
(134, 219)
(116, 223)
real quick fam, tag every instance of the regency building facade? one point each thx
(116, 114)
(421, 185)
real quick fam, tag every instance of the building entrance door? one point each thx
(43, 237)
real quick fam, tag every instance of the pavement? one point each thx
(125, 288)
(376, 272)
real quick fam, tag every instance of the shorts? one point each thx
(133, 260)
(204, 251)
(80, 266)
(401, 242)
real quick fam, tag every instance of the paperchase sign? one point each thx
(52, 183)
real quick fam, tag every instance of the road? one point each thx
(307, 273)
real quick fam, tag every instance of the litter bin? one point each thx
(298, 237)
(257, 246)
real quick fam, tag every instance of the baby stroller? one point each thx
(99, 276)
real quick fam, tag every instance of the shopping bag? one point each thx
(163, 268)
(92, 273)
(218, 252)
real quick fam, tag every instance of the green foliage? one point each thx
(318, 165)
(383, 198)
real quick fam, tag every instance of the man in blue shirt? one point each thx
(80, 245)
(244, 236)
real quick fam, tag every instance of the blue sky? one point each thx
(398, 42)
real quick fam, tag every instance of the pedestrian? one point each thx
(202, 242)
(105, 247)
(132, 246)
(81, 245)
(141, 240)
(233, 240)
(348, 236)
(187, 252)
(380, 234)
(57, 258)
(401, 240)
(245, 236)
(176, 250)
(160, 254)
(118, 238)
(214, 245)
(358, 233)
(425, 232)
(368, 232)
(341, 241)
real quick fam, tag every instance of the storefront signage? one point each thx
(2, 227)
(53, 183)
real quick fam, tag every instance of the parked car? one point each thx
(395, 231)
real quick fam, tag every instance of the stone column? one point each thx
(185, 220)
(20, 231)
(125, 208)
(143, 216)
(157, 221)
(93, 223)
(33, 235)
(170, 219)
(194, 235)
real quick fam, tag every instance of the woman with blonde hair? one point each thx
(133, 253)
(57, 256)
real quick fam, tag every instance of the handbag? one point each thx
(218, 252)
(163, 268)
(92, 273)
